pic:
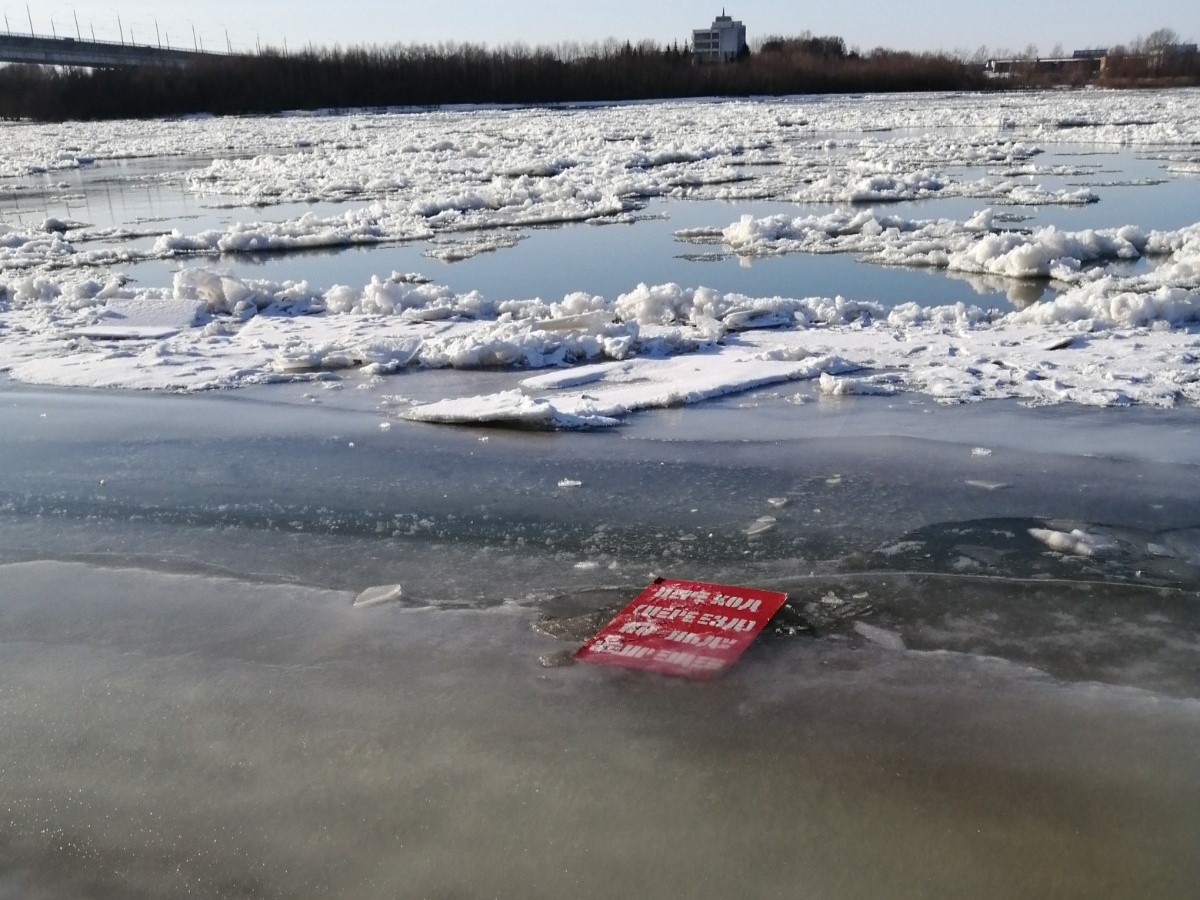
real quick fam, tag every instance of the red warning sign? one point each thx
(685, 628)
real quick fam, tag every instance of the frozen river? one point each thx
(929, 365)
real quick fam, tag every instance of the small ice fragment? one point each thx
(981, 451)
(385, 426)
(901, 547)
(987, 485)
(889, 640)
(587, 564)
(832, 599)
(761, 525)
(375, 596)
(1077, 542)
(484, 439)
(569, 483)
(777, 502)
(833, 480)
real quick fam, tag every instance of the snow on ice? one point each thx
(470, 181)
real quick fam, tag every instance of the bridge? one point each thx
(47, 51)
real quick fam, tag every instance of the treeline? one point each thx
(425, 76)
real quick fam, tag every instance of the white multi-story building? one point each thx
(720, 43)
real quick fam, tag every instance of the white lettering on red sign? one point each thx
(671, 591)
(684, 628)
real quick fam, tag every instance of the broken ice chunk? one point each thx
(881, 637)
(761, 525)
(986, 485)
(1076, 542)
(376, 596)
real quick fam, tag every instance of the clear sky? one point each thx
(914, 25)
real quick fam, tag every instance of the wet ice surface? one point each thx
(1001, 550)
(192, 701)
(171, 735)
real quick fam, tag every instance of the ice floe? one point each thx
(655, 346)
(464, 182)
(411, 175)
(973, 246)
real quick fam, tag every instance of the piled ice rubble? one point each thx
(406, 175)
(1105, 342)
(468, 182)
(971, 246)
(975, 246)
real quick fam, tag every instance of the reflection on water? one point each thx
(612, 259)
(1021, 293)
(150, 195)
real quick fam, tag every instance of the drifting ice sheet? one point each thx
(614, 391)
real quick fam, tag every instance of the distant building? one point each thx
(1168, 60)
(723, 42)
(1081, 64)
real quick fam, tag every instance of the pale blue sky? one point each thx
(914, 25)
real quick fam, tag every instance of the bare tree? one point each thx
(1157, 45)
(1161, 40)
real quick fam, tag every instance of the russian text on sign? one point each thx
(684, 628)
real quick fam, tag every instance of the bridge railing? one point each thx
(65, 41)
